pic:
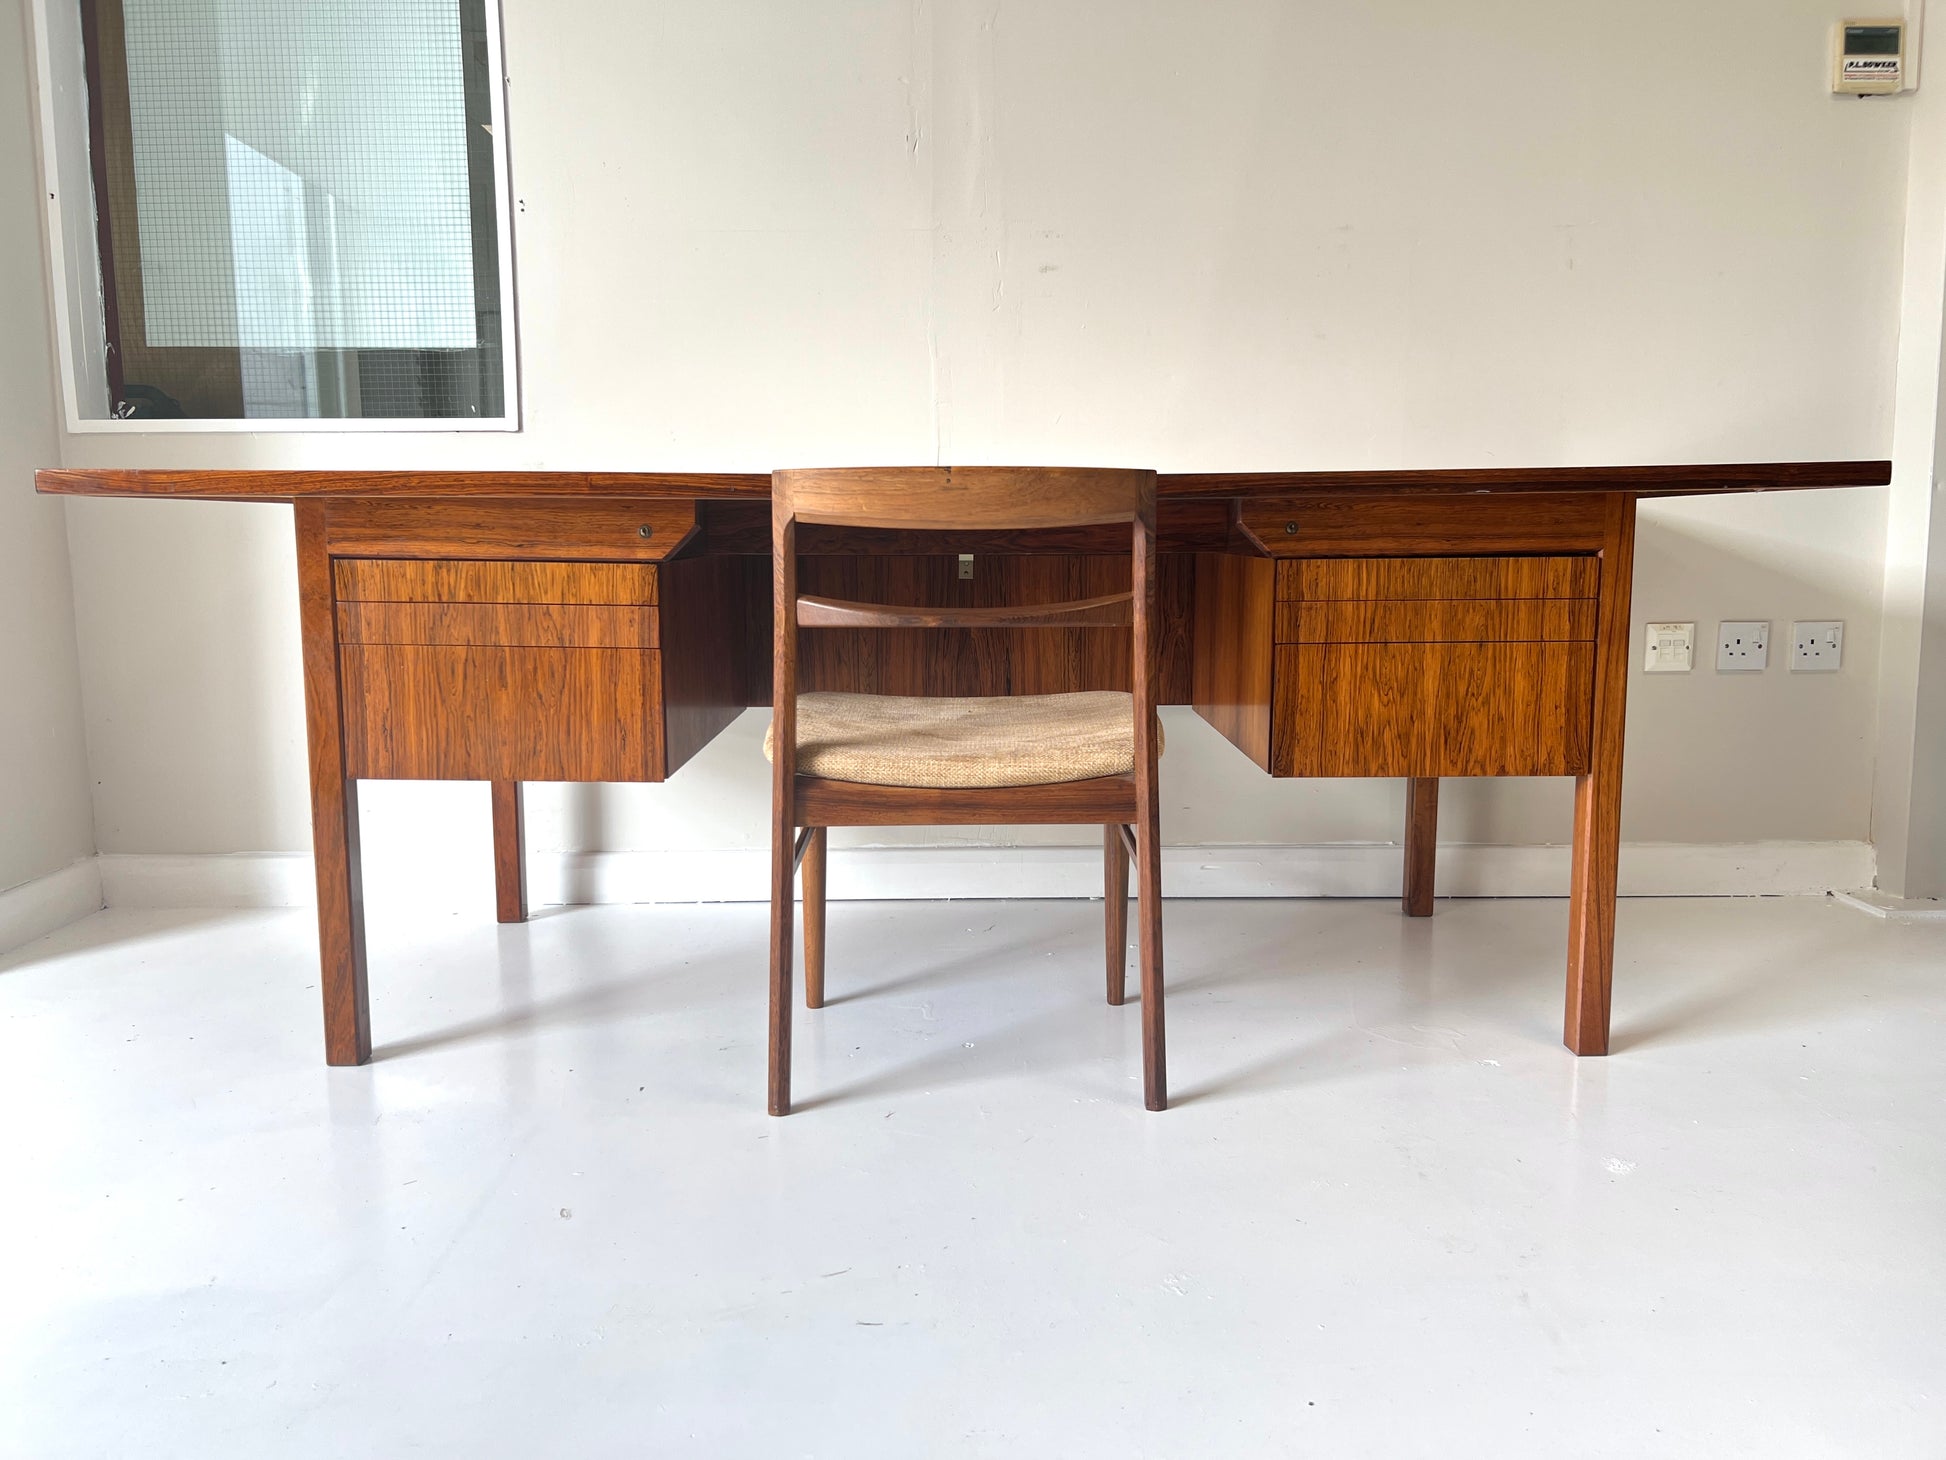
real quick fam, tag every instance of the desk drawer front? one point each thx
(556, 531)
(524, 671)
(1339, 579)
(1509, 709)
(509, 625)
(399, 580)
(1480, 666)
(1436, 621)
(495, 712)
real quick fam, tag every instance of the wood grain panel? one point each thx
(1232, 627)
(645, 531)
(1116, 610)
(711, 636)
(1709, 478)
(1427, 710)
(392, 580)
(988, 661)
(963, 497)
(744, 527)
(1438, 578)
(1331, 527)
(417, 712)
(1467, 620)
(1066, 803)
(511, 625)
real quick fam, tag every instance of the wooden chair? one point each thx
(872, 760)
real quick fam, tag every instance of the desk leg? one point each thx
(334, 806)
(509, 853)
(813, 874)
(1421, 844)
(1598, 801)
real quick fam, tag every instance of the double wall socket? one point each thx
(1742, 647)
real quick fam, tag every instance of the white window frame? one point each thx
(67, 186)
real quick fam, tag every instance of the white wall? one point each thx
(1909, 810)
(1223, 235)
(44, 820)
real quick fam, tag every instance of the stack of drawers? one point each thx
(1431, 666)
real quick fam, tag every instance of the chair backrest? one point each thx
(965, 499)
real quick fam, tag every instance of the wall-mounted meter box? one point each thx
(1868, 57)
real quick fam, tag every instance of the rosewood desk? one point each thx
(590, 626)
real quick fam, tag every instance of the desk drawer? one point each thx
(480, 670)
(508, 625)
(1495, 709)
(501, 713)
(401, 580)
(1357, 579)
(1464, 666)
(1436, 621)
(558, 531)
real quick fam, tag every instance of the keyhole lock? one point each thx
(645, 530)
(1291, 528)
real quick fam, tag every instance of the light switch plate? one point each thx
(1817, 646)
(1671, 648)
(1742, 646)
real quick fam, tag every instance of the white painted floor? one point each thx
(1389, 1215)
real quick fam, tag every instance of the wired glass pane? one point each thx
(297, 210)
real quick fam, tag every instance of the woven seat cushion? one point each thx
(1009, 740)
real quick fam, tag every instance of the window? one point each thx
(279, 212)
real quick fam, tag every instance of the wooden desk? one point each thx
(591, 626)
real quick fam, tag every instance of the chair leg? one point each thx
(1114, 857)
(814, 921)
(1148, 876)
(783, 902)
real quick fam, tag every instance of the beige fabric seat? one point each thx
(959, 743)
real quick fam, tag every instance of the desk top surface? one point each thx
(1708, 479)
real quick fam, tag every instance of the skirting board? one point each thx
(35, 909)
(1648, 869)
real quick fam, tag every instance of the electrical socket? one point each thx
(1743, 647)
(1817, 646)
(1671, 648)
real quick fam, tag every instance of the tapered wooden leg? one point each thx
(783, 901)
(334, 807)
(814, 921)
(509, 859)
(1591, 912)
(1421, 844)
(1148, 881)
(1598, 802)
(1114, 857)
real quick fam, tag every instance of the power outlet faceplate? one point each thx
(1817, 646)
(1743, 647)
